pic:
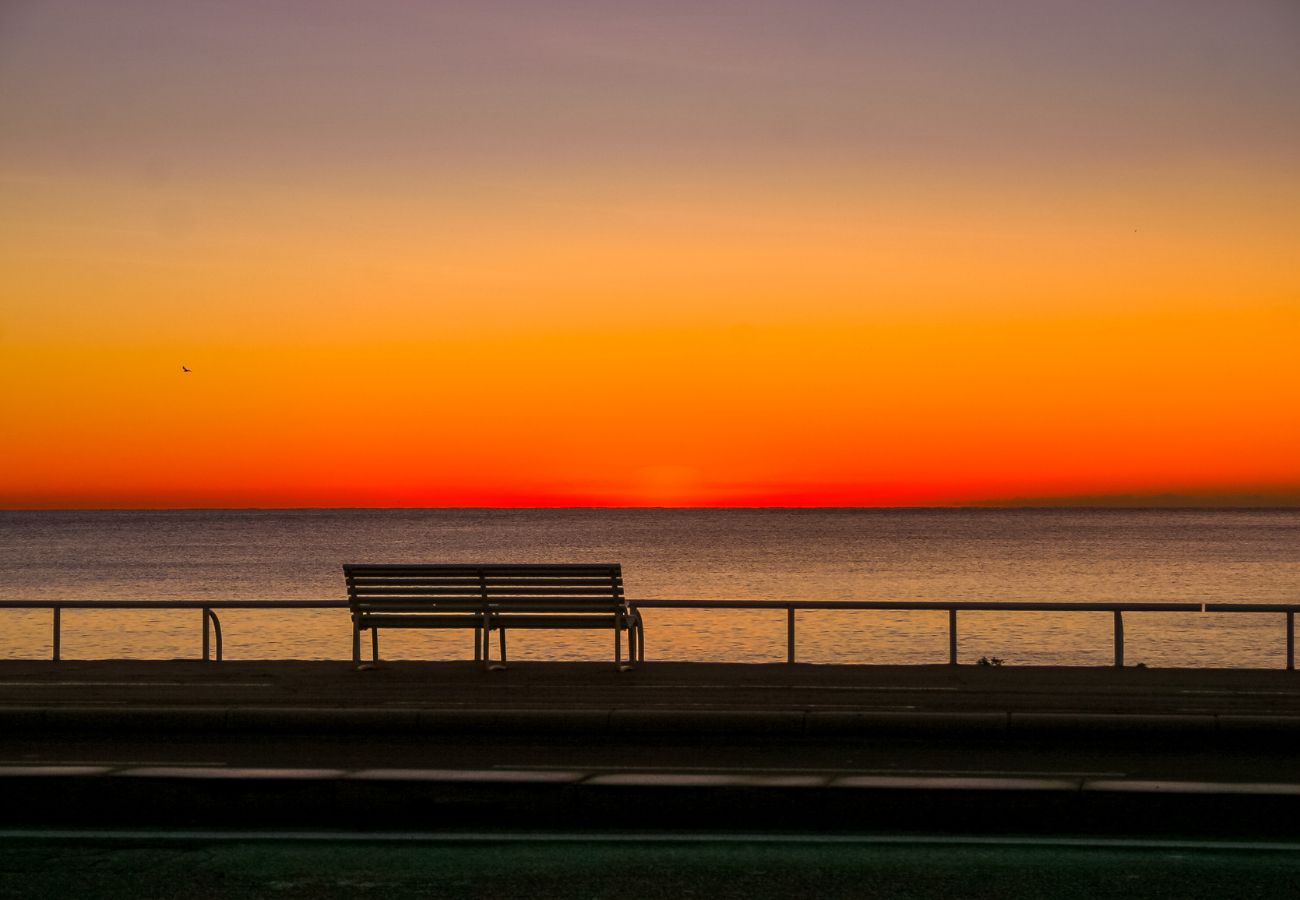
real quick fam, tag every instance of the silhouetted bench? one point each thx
(484, 598)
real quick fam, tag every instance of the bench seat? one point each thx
(397, 620)
(561, 621)
(491, 597)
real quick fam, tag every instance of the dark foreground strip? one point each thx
(184, 836)
(440, 800)
(735, 867)
(692, 721)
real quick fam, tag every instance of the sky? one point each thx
(542, 253)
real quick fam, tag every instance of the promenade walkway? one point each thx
(776, 696)
(441, 745)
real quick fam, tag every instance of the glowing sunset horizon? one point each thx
(719, 254)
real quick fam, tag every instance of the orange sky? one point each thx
(691, 259)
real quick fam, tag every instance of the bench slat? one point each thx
(605, 585)
(415, 605)
(420, 621)
(492, 591)
(540, 622)
(506, 569)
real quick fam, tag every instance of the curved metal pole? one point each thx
(952, 637)
(58, 631)
(1290, 641)
(216, 628)
(789, 634)
(1119, 639)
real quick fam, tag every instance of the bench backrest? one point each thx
(505, 587)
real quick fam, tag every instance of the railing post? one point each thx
(206, 639)
(1119, 639)
(58, 631)
(789, 634)
(1290, 641)
(216, 630)
(952, 637)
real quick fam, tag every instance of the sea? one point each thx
(1064, 555)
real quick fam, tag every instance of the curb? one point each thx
(1108, 723)
(245, 720)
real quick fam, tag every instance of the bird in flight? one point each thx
(184, 369)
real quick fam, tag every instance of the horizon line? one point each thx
(991, 507)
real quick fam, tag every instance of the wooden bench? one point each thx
(486, 598)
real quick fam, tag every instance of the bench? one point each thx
(491, 597)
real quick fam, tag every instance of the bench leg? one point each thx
(619, 628)
(356, 647)
(478, 644)
(488, 665)
(374, 645)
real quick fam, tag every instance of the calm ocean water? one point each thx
(1068, 555)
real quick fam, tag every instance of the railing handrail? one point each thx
(940, 605)
(1253, 607)
(664, 603)
(173, 604)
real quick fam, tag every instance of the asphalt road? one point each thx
(675, 746)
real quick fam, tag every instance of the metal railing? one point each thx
(211, 624)
(1116, 609)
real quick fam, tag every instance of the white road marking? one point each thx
(800, 687)
(56, 771)
(113, 763)
(1241, 693)
(503, 774)
(187, 684)
(928, 779)
(223, 771)
(960, 773)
